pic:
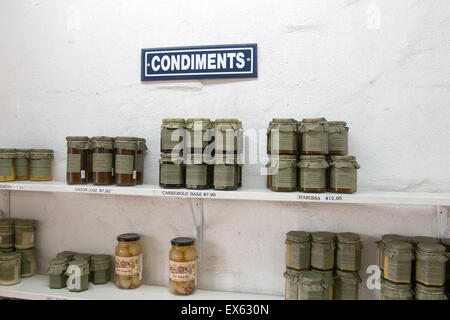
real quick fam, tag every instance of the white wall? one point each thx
(73, 68)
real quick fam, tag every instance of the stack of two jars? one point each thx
(105, 160)
(201, 154)
(310, 156)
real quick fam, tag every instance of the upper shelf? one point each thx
(368, 197)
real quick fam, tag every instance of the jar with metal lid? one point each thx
(198, 134)
(199, 174)
(343, 174)
(7, 169)
(382, 243)
(172, 135)
(29, 262)
(228, 136)
(323, 250)
(126, 149)
(292, 277)
(429, 293)
(100, 268)
(313, 286)
(282, 136)
(346, 285)
(41, 164)
(396, 291)
(182, 266)
(314, 133)
(128, 261)
(298, 250)
(313, 174)
(69, 255)
(7, 233)
(77, 160)
(22, 164)
(142, 148)
(282, 173)
(102, 160)
(78, 275)
(10, 263)
(57, 278)
(348, 253)
(431, 261)
(337, 138)
(226, 172)
(398, 258)
(25, 233)
(171, 171)
(328, 276)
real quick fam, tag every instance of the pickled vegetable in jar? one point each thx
(182, 266)
(7, 170)
(126, 149)
(77, 160)
(128, 261)
(22, 164)
(25, 233)
(102, 160)
(142, 148)
(41, 164)
(7, 233)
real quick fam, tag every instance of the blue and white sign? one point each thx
(221, 61)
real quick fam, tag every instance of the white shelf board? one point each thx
(263, 194)
(36, 288)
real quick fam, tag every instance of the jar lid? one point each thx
(348, 237)
(314, 120)
(168, 157)
(298, 236)
(182, 241)
(126, 143)
(79, 262)
(173, 120)
(7, 153)
(127, 237)
(227, 120)
(294, 272)
(423, 239)
(327, 275)
(22, 150)
(198, 119)
(7, 222)
(337, 123)
(126, 139)
(428, 247)
(10, 256)
(77, 138)
(41, 152)
(82, 256)
(284, 120)
(399, 246)
(313, 158)
(100, 258)
(311, 277)
(25, 223)
(342, 158)
(392, 237)
(58, 261)
(102, 138)
(66, 254)
(26, 251)
(323, 236)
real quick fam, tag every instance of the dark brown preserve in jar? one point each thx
(140, 161)
(102, 160)
(171, 172)
(125, 160)
(77, 160)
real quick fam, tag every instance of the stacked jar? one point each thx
(26, 164)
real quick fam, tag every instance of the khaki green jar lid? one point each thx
(348, 237)
(393, 237)
(427, 247)
(27, 251)
(41, 153)
(284, 120)
(77, 138)
(173, 120)
(102, 138)
(198, 119)
(10, 256)
(337, 123)
(323, 236)
(22, 153)
(446, 242)
(82, 256)
(25, 223)
(79, 262)
(298, 236)
(314, 120)
(126, 139)
(49, 151)
(100, 258)
(227, 120)
(7, 153)
(402, 246)
(128, 143)
(313, 158)
(311, 277)
(343, 158)
(58, 261)
(422, 239)
(7, 222)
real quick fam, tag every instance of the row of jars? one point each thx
(26, 164)
(197, 171)
(105, 160)
(314, 136)
(312, 173)
(195, 134)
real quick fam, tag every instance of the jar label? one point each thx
(73, 162)
(124, 164)
(21, 166)
(397, 271)
(298, 256)
(225, 176)
(40, 168)
(343, 178)
(102, 162)
(287, 141)
(322, 258)
(430, 273)
(338, 141)
(182, 271)
(196, 174)
(285, 178)
(139, 162)
(313, 178)
(228, 141)
(6, 167)
(166, 138)
(315, 141)
(129, 266)
(171, 174)
(348, 257)
(10, 272)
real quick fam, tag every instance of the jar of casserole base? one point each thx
(22, 164)
(171, 171)
(28, 266)
(128, 266)
(282, 173)
(10, 264)
(57, 278)
(7, 170)
(77, 160)
(41, 164)
(102, 160)
(172, 134)
(126, 149)
(100, 268)
(312, 174)
(182, 266)
(199, 174)
(78, 275)
(226, 172)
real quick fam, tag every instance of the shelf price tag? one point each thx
(11, 186)
(92, 190)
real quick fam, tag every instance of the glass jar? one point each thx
(346, 285)
(431, 260)
(25, 233)
(171, 171)
(382, 243)
(429, 293)
(328, 276)
(125, 160)
(69, 255)
(182, 266)
(314, 133)
(10, 268)
(129, 263)
(77, 160)
(172, 134)
(292, 277)
(396, 291)
(56, 271)
(226, 172)
(100, 268)
(337, 138)
(102, 160)
(282, 136)
(313, 286)
(343, 174)
(6, 233)
(87, 257)
(29, 262)
(298, 250)
(7, 170)
(198, 134)
(228, 136)
(282, 173)
(78, 275)
(397, 261)
(348, 253)
(322, 250)
(22, 164)
(140, 161)
(41, 165)
(313, 174)
(199, 174)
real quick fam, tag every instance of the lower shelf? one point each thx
(36, 288)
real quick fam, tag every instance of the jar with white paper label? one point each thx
(182, 266)
(77, 160)
(199, 174)
(129, 263)
(125, 165)
(171, 171)
(312, 174)
(102, 160)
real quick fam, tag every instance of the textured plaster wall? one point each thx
(73, 68)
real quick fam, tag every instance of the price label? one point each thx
(92, 190)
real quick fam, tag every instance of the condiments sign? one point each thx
(220, 61)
